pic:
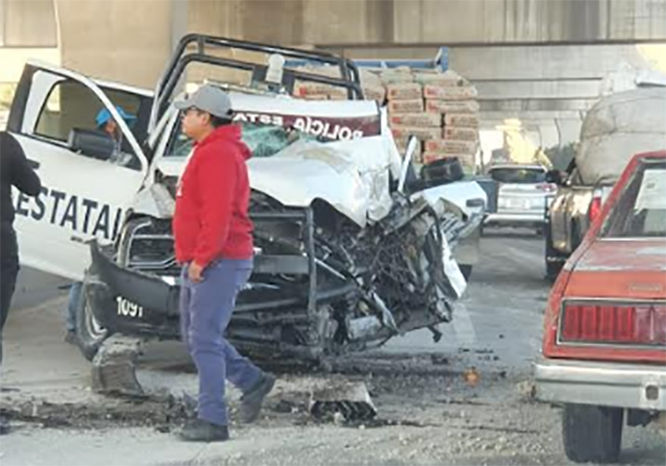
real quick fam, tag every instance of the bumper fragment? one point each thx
(503, 218)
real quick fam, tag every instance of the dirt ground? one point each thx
(466, 400)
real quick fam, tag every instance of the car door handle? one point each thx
(33, 164)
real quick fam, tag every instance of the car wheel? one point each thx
(592, 433)
(553, 266)
(466, 270)
(553, 269)
(89, 332)
(576, 235)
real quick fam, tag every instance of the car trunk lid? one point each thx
(633, 269)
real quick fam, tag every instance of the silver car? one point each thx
(522, 194)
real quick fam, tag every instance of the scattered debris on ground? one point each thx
(472, 377)
(343, 401)
(527, 389)
(114, 367)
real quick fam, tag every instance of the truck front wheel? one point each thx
(89, 332)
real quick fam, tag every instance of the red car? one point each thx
(604, 341)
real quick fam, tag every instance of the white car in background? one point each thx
(522, 194)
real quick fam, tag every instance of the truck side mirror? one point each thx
(92, 143)
(555, 177)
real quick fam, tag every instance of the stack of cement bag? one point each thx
(407, 116)
(454, 98)
(316, 91)
(373, 87)
(440, 108)
(370, 82)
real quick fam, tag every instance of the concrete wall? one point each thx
(131, 40)
(550, 86)
(28, 23)
(118, 40)
(13, 60)
(28, 29)
(570, 74)
(389, 22)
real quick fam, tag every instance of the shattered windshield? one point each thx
(263, 140)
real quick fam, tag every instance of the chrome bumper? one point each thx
(602, 384)
(532, 218)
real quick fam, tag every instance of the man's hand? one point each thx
(195, 272)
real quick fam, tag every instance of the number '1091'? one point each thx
(129, 309)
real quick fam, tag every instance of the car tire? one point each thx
(89, 334)
(553, 269)
(466, 271)
(553, 258)
(592, 433)
(576, 235)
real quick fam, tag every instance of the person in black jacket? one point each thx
(15, 170)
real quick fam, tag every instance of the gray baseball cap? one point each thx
(208, 99)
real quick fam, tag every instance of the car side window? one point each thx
(73, 108)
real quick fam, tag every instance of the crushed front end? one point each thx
(321, 285)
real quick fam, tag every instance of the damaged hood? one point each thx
(350, 170)
(352, 176)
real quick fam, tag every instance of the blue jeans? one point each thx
(205, 312)
(72, 305)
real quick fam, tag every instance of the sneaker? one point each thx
(252, 400)
(71, 337)
(199, 430)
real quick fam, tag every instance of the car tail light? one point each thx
(640, 324)
(547, 187)
(595, 208)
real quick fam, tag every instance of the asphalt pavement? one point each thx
(436, 415)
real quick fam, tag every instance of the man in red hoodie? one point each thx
(213, 242)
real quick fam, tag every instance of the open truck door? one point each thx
(88, 179)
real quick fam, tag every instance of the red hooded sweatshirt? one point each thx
(211, 219)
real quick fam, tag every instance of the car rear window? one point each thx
(518, 175)
(640, 210)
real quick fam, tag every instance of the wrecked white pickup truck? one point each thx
(352, 247)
